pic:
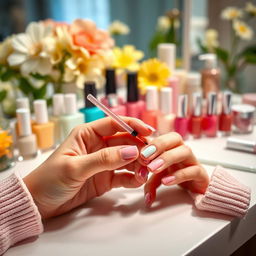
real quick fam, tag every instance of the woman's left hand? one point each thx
(172, 162)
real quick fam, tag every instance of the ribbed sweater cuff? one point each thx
(19, 216)
(224, 194)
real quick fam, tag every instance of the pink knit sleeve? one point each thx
(224, 194)
(19, 216)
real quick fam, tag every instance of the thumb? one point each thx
(105, 159)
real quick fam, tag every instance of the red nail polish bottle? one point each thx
(226, 118)
(210, 120)
(195, 122)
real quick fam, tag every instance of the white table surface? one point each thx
(118, 224)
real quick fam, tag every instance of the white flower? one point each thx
(5, 50)
(231, 13)
(118, 28)
(242, 30)
(29, 50)
(163, 23)
(250, 8)
(211, 39)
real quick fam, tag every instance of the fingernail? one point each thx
(154, 165)
(168, 180)
(148, 151)
(148, 200)
(152, 129)
(129, 152)
(143, 173)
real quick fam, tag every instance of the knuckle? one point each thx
(182, 175)
(187, 149)
(68, 165)
(105, 157)
(177, 137)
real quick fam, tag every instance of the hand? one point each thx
(172, 162)
(83, 167)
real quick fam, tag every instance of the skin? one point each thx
(84, 166)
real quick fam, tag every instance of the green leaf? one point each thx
(3, 94)
(41, 92)
(201, 46)
(249, 54)
(158, 38)
(40, 77)
(7, 75)
(222, 54)
(25, 86)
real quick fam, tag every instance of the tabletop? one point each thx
(117, 223)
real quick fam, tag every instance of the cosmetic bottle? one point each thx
(210, 120)
(22, 103)
(57, 112)
(71, 117)
(134, 106)
(166, 53)
(250, 98)
(26, 141)
(173, 83)
(149, 115)
(166, 118)
(42, 128)
(196, 119)
(181, 121)
(225, 119)
(91, 113)
(210, 80)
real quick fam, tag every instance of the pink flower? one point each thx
(86, 34)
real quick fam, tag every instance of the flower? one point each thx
(85, 34)
(127, 57)
(242, 30)
(231, 13)
(5, 50)
(153, 72)
(28, 50)
(5, 143)
(250, 8)
(118, 28)
(163, 23)
(211, 39)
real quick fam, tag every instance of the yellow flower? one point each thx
(242, 30)
(231, 13)
(211, 39)
(250, 8)
(153, 72)
(5, 142)
(118, 28)
(127, 57)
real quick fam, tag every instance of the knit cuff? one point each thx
(225, 195)
(19, 216)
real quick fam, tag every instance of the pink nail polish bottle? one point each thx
(226, 117)
(134, 106)
(210, 120)
(149, 115)
(166, 118)
(181, 121)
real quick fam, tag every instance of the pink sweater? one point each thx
(20, 218)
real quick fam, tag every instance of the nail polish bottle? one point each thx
(181, 121)
(166, 118)
(57, 112)
(71, 117)
(226, 118)
(173, 83)
(26, 141)
(166, 52)
(134, 105)
(196, 119)
(91, 113)
(149, 115)
(210, 120)
(42, 128)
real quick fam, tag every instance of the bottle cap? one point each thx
(212, 103)
(197, 104)
(166, 100)
(41, 114)
(70, 107)
(241, 144)
(227, 102)
(110, 81)
(58, 104)
(182, 105)
(132, 87)
(112, 100)
(166, 53)
(151, 98)
(210, 60)
(24, 123)
(22, 103)
(89, 88)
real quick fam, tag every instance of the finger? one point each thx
(180, 154)
(195, 173)
(151, 186)
(126, 180)
(110, 158)
(107, 126)
(160, 144)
